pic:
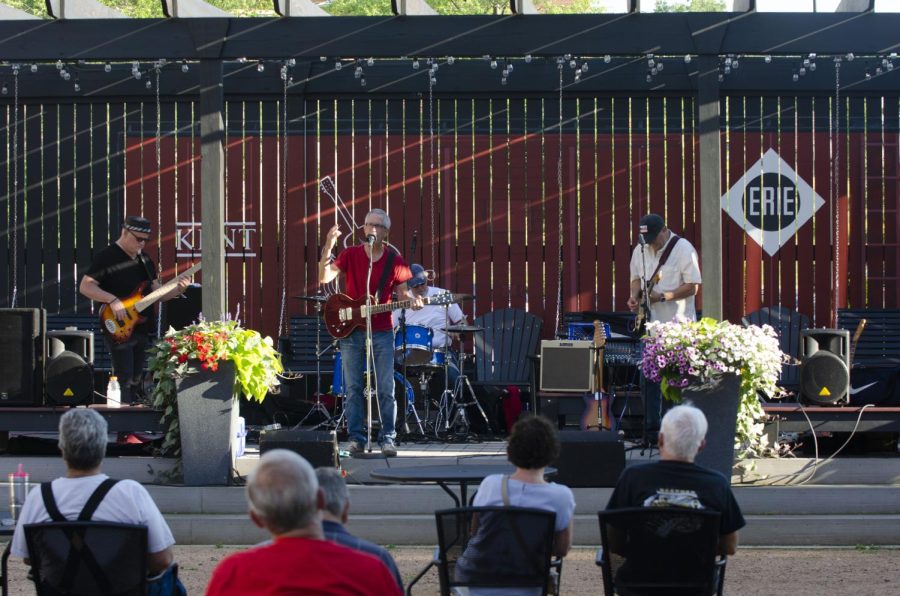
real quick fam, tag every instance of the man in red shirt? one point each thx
(285, 499)
(389, 273)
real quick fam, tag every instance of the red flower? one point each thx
(182, 358)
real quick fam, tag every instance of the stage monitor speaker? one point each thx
(567, 365)
(70, 380)
(589, 459)
(23, 354)
(825, 366)
(72, 340)
(319, 448)
(185, 310)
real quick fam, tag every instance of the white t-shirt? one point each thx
(127, 502)
(549, 496)
(682, 266)
(432, 317)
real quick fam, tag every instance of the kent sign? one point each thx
(771, 202)
(238, 239)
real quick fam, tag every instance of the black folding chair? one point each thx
(495, 547)
(88, 558)
(660, 550)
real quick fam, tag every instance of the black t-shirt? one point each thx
(120, 275)
(678, 484)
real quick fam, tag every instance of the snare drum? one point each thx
(438, 358)
(418, 346)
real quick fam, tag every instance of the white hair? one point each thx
(82, 438)
(334, 489)
(683, 429)
(282, 490)
(385, 218)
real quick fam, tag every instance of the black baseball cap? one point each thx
(650, 227)
(136, 223)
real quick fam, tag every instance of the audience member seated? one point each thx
(336, 512)
(284, 499)
(82, 440)
(676, 481)
(533, 445)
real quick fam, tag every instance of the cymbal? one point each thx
(316, 298)
(464, 329)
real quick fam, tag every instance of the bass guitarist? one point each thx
(117, 272)
(389, 274)
(665, 277)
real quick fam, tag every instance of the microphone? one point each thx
(412, 245)
(641, 231)
(370, 239)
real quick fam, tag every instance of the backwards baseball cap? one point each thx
(650, 227)
(419, 276)
(136, 223)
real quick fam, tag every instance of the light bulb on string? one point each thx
(370, 62)
(607, 59)
(687, 58)
(137, 75)
(66, 75)
(415, 65)
(768, 59)
(494, 64)
(260, 66)
(34, 67)
(59, 64)
(107, 67)
(362, 82)
(184, 66)
(338, 65)
(451, 60)
(659, 66)
(528, 58)
(77, 87)
(148, 84)
(4, 90)
(584, 67)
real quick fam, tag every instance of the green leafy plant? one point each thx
(202, 346)
(684, 354)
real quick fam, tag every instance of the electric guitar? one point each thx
(343, 314)
(120, 330)
(595, 406)
(643, 312)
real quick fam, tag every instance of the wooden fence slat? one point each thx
(483, 205)
(67, 198)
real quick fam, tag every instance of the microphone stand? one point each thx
(370, 351)
(645, 304)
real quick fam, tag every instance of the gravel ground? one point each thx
(798, 572)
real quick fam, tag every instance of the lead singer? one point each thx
(389, 273)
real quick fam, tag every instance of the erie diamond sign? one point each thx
(771, 202)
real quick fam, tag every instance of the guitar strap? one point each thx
(384, 272)
(665, 256)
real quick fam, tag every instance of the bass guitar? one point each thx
(595, 404)
(344, 315)
(120, 330)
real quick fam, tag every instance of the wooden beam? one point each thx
(299, 8)
(191, 9)
(709, 167)
(81, 9)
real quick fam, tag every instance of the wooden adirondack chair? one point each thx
(788, 324)
(504, 351)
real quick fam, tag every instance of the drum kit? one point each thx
(416, 358)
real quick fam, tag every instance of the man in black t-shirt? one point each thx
(116, 272)
(676, 481)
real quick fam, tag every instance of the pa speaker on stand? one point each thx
(23, 354)
(825, 366)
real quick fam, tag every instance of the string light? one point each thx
(107, 67)
(184, 66)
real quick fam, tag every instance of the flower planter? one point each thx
(207, 418)
(719, 402)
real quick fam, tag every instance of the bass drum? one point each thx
(402, 389)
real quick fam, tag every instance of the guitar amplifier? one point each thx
(567, 365)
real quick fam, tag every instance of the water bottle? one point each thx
(18, 489)
(113, 393)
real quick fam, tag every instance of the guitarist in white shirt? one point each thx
(672, 270)
(389, 272)
(116, 272)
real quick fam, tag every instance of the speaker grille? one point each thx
(22, 356)
(825, 366)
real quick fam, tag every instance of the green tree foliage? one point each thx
(690, 5)
(264, 8)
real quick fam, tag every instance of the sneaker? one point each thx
(388, 449)
(355, 448)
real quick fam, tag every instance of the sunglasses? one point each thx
(141, 239)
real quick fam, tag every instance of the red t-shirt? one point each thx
(302, 566)
(354, 263)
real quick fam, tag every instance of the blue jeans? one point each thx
(128, 363)
(353, 356)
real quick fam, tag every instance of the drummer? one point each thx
(433, 317)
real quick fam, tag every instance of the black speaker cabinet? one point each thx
(825, 366)
(71, 340)
(319, 448)
(70, 380)
(23, 354)
(589, 459)
(567, 365)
